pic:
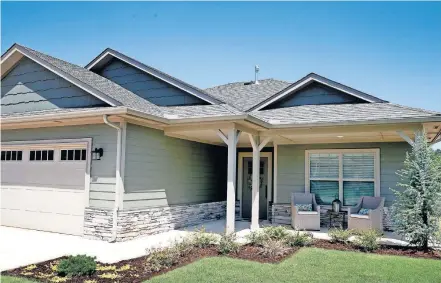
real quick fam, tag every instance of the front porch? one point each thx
(290, 152)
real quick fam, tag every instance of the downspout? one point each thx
(118, 184)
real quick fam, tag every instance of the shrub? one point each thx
(368, 240)
(185, 246)
(298, 239)
(159, 259)
(277, 233)
(340, 235)
(228, 244)
(416, 211)
(202, 239)
(78, 265)
(259, 238)
(273, 248)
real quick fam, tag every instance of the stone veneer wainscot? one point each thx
(135, 223)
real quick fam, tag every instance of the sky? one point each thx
(390, 50)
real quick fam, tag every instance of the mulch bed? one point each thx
(138, 272)
(383, 250)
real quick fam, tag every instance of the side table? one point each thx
(337, 219)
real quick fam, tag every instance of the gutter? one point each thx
(119, 182)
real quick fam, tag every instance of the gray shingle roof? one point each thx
(200, 111)
(339, 113)
(243, 96)
(103, 85)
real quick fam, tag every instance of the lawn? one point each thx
(307, 265)
(310, 265)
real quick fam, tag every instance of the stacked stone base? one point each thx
(135, 223)
(281, 214)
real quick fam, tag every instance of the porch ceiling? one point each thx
(307, 135)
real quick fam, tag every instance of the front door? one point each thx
(247, 187)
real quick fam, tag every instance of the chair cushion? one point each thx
(304, 207)
(364, 211)
(360, 216)
(307, 212)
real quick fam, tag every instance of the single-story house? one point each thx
(117, 149)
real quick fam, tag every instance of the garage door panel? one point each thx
(54, 174)
(52, 222)
(41, 200)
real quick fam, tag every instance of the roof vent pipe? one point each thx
(256, 74)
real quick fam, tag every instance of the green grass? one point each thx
(310, 265)
(9, 279)
(307, 265)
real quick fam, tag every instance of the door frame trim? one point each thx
(242, 155)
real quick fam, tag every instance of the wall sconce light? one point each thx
(97, 153)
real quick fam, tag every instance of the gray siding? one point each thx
(147, 86)
(102, 171)
(31, 87)
(313, 94)
(291, 166)
(161, 170)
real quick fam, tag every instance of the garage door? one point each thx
(42, 187)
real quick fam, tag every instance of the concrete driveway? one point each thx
(20, 247)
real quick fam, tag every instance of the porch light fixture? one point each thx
(97, 153)
(340, 137)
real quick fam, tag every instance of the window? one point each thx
(343, 174)
(12, 155)
(73, 154)
(41, 155)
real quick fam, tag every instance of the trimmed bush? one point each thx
(340, 235)
(202, 239)
(298, 239)
(368, 240)
(228, 244)
(159, 259)
(273, 248)
(276, 233)
(78, 265)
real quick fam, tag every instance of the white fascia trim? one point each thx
(349, 123)
(79, 114)
(64, 75)
(305, 82)
(154, 73)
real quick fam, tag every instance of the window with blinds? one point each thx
(346, 175)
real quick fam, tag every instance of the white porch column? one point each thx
(231, 140)
(255, 140)
(257, 147)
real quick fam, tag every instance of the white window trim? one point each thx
(340, 152)
(76, 148)
(42, 149)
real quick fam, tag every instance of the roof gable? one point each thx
(31, 87)
(108, 54)
(314, 94)
(100, 87)
(311, 78)
(147, 86)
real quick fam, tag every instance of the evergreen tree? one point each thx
(417, 209)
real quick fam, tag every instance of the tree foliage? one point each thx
(417, 209)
